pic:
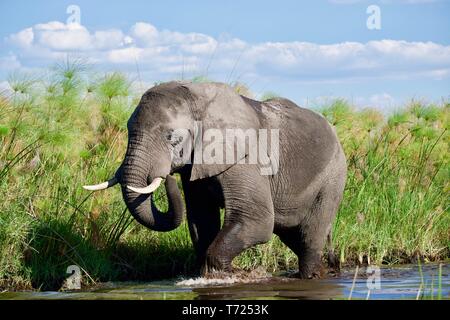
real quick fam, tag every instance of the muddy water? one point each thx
(403, 282)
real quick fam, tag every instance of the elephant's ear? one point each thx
(212, 154)
(221, 111)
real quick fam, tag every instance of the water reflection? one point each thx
(404, 282)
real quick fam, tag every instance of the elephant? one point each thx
(297, 198)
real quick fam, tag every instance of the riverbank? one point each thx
(69, 130)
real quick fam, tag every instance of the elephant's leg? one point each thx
(308, 239)
(249, 217)
(312, 242)
(203, 215)
(204, 225)
(307, 247)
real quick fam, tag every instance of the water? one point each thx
(402, 282)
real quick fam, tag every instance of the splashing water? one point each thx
(219, 278)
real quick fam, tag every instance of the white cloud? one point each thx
(125, 55)
(58, 36)
(23, 38)
(9, 62)
(385, 58)
(144, 33)
(109, 39)
(165, 54)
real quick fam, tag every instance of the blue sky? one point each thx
(308, 51)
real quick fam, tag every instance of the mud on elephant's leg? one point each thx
(249, 217)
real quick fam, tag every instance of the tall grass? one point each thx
(396, 200)
(69, 129)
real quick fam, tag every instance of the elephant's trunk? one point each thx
(135, 172)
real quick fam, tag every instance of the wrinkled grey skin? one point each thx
(299, 203)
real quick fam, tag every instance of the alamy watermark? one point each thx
(373, 281)
(226, 147)
(74, 12)
(373, 278)
(73, 282)
(374, 20)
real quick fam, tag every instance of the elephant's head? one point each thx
(164, 120)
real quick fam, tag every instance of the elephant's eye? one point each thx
(173, 138)
(176, 141)
(169, 135)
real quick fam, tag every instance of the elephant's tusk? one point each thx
(148, 189)
(103, 185)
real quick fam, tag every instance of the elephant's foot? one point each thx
(215, 265)
(311, 271)
(310, 265)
